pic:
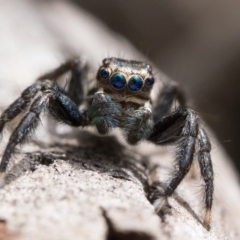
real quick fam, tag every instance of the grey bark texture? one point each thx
(72, 184)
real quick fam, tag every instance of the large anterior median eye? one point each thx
(135, 83)
(118, 81)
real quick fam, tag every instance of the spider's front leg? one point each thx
(79, 70)
(52, 97)
(62, 105)
(181, 127)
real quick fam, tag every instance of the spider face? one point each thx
(126, 81)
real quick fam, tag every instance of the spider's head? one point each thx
(128, 80)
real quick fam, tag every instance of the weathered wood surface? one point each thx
(70, 184)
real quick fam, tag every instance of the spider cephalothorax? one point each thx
(128, 81)
(120, 98)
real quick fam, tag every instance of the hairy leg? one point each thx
(52, 97)
(79, 76)
(19, 105)
(181, 127)
(78, 68)
(137, 124)
(103, 112)
(169, 94)
(205, 163)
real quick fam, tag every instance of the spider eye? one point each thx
(149, 81)
(104, 73)
(118, 81)
(135, 83)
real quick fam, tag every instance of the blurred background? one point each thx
(196, 43)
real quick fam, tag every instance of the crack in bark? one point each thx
(115, 234)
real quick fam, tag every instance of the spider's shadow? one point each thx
(95, 153)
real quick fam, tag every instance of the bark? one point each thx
(73, 184)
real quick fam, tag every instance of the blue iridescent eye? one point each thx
(135, 83)
(149, 81)
(118, 81)
(104, 73)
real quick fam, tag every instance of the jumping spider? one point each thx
(120, 98)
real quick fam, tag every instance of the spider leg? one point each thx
(79, 70)
(181, 127)
(79, 75)
(170, 92)
(59, 105)
(137, 124)
(19, 105)
(103, 112)
(205, 163)
(26, 126)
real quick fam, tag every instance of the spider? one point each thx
(120, 98)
